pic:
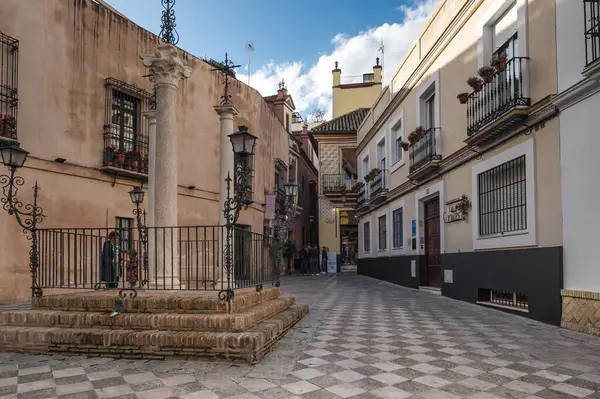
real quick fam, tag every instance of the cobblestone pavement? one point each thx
(362, 339)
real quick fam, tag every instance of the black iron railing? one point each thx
(173, 258)
(591, 15)
(362, 196)
(126, 139)
(335, 182)
(9, 77)
(379, 184)
(499, 96)
(504, 298)
(425, 150)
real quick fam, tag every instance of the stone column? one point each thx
(168, 69)
(226, 113)
(151, 117)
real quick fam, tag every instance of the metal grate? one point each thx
(382, 236)
(125, 129)
(425, 150)
(503, 198)
(591, 15)
(504, 298)
(367, 236)
(9, 77)
(398, 233)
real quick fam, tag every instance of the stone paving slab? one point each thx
(362, 339)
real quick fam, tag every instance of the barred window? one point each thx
(367, 236)
(382, 233)
(124, 226)
(9, 74)
(503, 198)
(398, 233)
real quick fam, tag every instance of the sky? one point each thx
(295, 41)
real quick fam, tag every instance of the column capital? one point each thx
(226, 110)
(150, 115)
(166, 65)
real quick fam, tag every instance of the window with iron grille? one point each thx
(124, 226)
(398, 233)
(9, 71)
(503, 198)
(367, 237)
(382, 237)
(125, 129)
(591, 16)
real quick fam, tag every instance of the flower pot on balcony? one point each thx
(109, 156)
(475, 82)
(420, 132)
(120, 157)
(134, 165)
(463, 98)
(499, 61)
(487, 73)
(413, 138)
(404, 145)
(8, 126)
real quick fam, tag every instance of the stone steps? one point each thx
(348, 268)
(235, 322)
(204, 302)
(250, 345)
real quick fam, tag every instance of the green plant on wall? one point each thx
(288, 249)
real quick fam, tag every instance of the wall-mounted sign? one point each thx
(414, 228)
(348, 218)
(458, 209)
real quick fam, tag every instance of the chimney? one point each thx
(337, 75)
(377, 71)
(282, 91)
(304, 137)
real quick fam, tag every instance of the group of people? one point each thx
(309, 260)
(112, 259)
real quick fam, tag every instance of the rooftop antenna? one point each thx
(249, 49)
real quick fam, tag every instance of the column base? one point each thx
(166, 283)
(581, 311)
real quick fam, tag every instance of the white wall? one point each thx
(570, 42)
(580, 164)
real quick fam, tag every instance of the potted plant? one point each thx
(109, 155)
(374, 172)
(357, 186)
(487, 73)
(420, 132)
(8, 126)
(413, 138)
(404, 145)
(499, 61)
(475, 82)
(120, 157)
(288, 249)
(133, 158)
(463, 98)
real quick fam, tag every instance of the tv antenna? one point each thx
(249, 49)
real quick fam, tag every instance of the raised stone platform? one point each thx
(154, 325)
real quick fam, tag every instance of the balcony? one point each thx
(500, 105)
(591, 15)
(424, 156)
(362, 202)
(379, 186)
(338, 188)
(9, 67)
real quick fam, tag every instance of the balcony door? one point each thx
(382, 161)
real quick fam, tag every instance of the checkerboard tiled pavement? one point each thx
(362, 339)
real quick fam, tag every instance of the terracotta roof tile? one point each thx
(347, 123)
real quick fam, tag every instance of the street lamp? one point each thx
(28, 216)
(243, 144)
(137, 198)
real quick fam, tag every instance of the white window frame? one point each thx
(397, 126)
(428, 86)
(383, 138)
(365, 254)
(365, 171)
(394, 207)
(435, 190)
(524, 238)
(383, 252)
(485, 42)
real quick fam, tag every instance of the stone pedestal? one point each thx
(581, 311)
(168, 69)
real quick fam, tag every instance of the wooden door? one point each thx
(432, 243)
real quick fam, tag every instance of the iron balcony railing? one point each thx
(499, 96)
(154, 258)
(335, 182)
(362, 196)
(425, 150)
(9, 77)
(379, 184)
(591, 15)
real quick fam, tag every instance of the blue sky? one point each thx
(297, 41)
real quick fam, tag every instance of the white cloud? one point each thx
(310, 86)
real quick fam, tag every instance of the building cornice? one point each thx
(460, 19)
(576, 93)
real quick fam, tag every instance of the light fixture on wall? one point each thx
(60, 160)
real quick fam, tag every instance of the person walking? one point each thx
(314, 259)
(304, 261)
(324, 260)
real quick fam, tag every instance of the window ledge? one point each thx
(121, 172)
(500, 235)
(8, 140)
(397, 165)
(495, 305)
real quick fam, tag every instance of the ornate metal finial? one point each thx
(227, 68)
(167, 28)
(282, 84)
(377, 60)
(336, 65)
